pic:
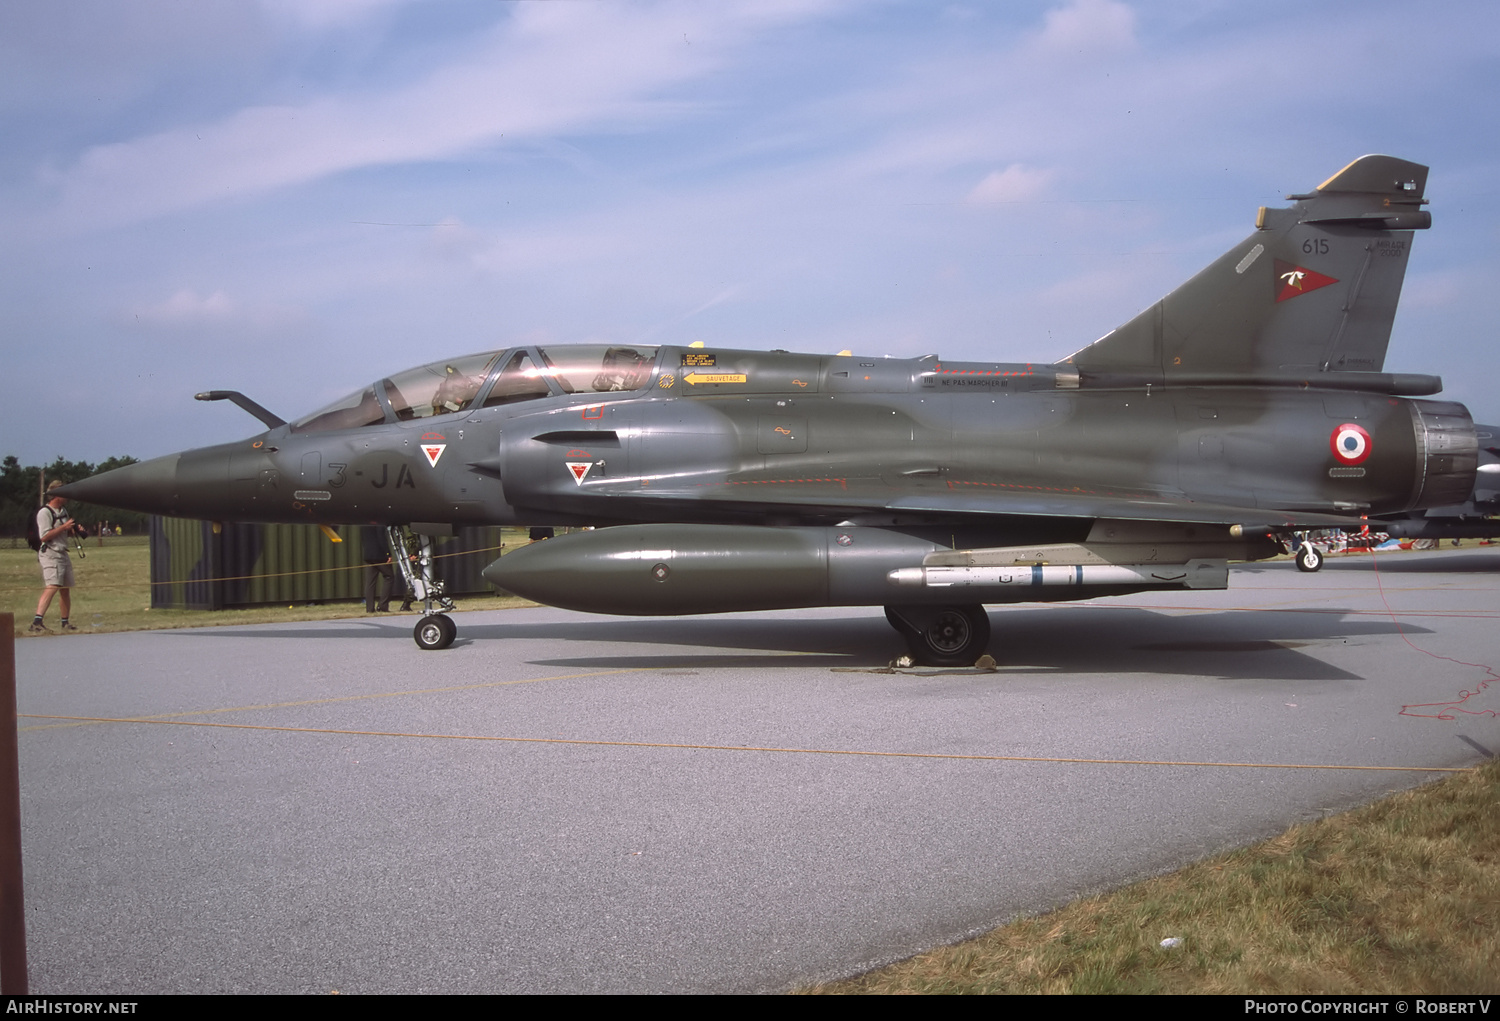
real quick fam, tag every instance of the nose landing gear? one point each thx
(436, 630)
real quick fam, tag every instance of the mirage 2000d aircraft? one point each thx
(1248, 403)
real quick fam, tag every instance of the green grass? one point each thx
(113, 593)
(1402, 896)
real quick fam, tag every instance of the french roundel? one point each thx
(1350, 444)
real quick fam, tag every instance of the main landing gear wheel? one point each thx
(435, 631)
(942, 635)
(1309, 557)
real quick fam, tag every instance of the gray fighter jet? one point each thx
(1247, 404)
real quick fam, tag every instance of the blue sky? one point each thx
(293, 197)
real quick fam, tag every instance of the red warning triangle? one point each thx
(579, 469)
(433, 452)
(1292, 280)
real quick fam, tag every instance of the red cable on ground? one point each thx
(1445, 709)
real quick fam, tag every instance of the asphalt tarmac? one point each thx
(746, 802)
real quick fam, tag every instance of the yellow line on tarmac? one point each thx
(756, 748)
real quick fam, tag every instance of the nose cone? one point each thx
(150, 487)
(192, 484)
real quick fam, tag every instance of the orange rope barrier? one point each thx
(316, 570)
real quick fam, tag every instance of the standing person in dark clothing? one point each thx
(377, 556)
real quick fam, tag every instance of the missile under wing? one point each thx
(1250, 402)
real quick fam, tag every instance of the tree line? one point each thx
(20, 495)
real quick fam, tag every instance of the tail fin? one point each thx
(1312, 292)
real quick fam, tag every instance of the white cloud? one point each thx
(1130, 283)
(450, 239)
(560, 247)
(187, 308)
(551, 69)
(1016, 183)
(1089, 26)
(726, 295)
(324, 14)
(1439, 289)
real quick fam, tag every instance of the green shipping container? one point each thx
(195, 568)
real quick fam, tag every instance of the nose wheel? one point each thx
(1309, 557)
(435, 631)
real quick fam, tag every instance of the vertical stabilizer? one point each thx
(1313, 290)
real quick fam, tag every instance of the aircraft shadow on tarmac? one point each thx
(1231, 644)
(1457, 563)
(1106, 639)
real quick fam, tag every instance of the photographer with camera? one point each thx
(54, 525)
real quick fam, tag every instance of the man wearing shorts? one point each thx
(53, 526)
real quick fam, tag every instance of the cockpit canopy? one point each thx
(484, 381)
